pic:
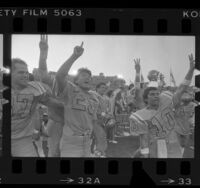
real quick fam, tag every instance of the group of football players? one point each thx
(81, 119)
(165, 124)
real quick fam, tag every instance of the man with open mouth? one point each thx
(80, 111)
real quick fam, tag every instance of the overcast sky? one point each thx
(112, 55)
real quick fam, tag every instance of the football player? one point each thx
(80, 111)
(26, 96)
(156, 122)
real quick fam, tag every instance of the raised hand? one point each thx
(192, 61)
(78, 50)
(43, 53)
(137, 64)
(43, 48)
(43, 42)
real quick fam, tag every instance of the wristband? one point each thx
(144, 151)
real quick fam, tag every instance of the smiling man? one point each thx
(26, 96)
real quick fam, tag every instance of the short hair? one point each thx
(82, 70)
(146, 93)
(100, 84)
(17, 61)
(131, 86)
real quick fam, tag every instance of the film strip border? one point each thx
(103, 171)
(97, 171)
(101, 21)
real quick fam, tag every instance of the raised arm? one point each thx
(186, 82)
(64, 69)
(137, 70)
(41, 73)
(43, 53)
(52, 103)
(138, 96)
(44, 96)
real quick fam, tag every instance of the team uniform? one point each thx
(103, 108)
(185, 119)
(102, 113)
(23, 106)
(104, 104)
(55, 126)
(42, 76)
(80, 112)
(117, 108)
(160, 126)
(56, 117)
(37, 123)
(113, 100)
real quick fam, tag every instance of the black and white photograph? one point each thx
(1, 87)
(2, 100)
(102, 96)
(1, 80)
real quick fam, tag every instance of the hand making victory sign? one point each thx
(186, 82)
(43, 46)
(192, 61)
(137, 65)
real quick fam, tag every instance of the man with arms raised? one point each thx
(80, 111)
(156, 123)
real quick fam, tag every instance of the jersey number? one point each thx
(156, 128)
(168, 116)
(163, 122)
(79, 103)
(21, 105)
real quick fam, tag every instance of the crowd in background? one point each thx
(115, 100)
